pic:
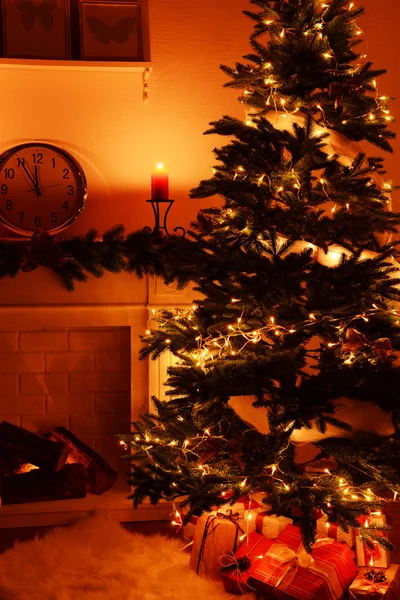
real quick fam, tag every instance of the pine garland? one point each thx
(72, 259)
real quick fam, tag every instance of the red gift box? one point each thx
(235, 579)
(287, 571)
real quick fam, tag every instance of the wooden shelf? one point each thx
(61, 512)
(75, 65)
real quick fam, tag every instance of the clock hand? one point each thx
(37, 181)
(31, 178)
(43, 187)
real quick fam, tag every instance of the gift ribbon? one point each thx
(229, 516)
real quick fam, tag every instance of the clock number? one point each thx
(54, 217)
(37, 158)
(22, 216)
(70, 190)
(4, 189)
(66, 173)
(65, 205)
(38, 221)
(9, 173)
(9, 205)
(21, 162)
(53, 160)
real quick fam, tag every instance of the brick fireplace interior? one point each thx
(78, 378)
(72, 360)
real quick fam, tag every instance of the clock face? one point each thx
(41, 187)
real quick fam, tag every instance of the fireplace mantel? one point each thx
(37, 300)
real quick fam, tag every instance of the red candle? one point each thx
(159, 183)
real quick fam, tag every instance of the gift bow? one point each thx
(229, 515)
(293, 559)
(357, 340)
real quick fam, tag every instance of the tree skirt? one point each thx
(95, 559)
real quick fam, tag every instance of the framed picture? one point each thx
(36, 29)
(110, 30)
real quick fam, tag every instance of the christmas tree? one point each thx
(294, 329)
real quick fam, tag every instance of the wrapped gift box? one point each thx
(234, 577)
(270, 526)
(243, 506)
(287, 571)
(217, 533)
(363, 588)
(376, 556)
(332, 530)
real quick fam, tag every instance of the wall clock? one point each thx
(41, 187)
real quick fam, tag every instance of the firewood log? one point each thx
(38, 485)
(24, 446)
(100, 475)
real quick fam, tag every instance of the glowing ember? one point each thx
(25, 468)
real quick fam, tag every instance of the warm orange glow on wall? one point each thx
(100, 117)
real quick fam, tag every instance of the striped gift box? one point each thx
(329, 574)
(336, 553)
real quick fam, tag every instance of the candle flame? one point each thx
(160, 166)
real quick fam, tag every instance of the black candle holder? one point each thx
(164, 206)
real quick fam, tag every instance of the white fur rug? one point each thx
(95, 559)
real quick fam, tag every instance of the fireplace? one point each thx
(74, 363)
